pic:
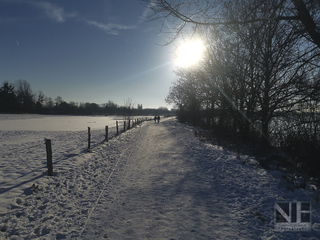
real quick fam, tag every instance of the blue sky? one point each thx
(85, 51)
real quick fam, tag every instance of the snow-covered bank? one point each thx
(202, 192)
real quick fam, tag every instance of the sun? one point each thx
(188, 53)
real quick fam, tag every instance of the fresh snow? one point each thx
(154, 181)
(22, 148)
(35, 122)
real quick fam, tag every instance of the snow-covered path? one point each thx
(155, 181)
(158, 191)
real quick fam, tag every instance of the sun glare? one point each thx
(189, 53)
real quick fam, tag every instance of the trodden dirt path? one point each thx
(158, 190)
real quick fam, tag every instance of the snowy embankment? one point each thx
(156, 180)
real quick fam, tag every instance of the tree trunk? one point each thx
(307, 21)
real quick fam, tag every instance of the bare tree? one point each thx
(58, 101)
(303, 15)
(250, 74)
(186, 95)
(128, 109)
(48, 103)
(25, 95)
(40, 97)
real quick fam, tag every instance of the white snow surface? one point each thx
(22, 149)
(36, 122)
(154, 181)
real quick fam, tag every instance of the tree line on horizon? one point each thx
(19, 98)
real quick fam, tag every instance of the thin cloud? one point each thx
(59, 15)
(148, 10)
(109, 28)
(54, 12)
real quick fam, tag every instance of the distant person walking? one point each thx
(158, 118)
(155, 119)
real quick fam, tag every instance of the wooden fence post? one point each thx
(124, 126)
(49, 157)
(129, 124)
(89, 139)
(117, 127)
(107, 138)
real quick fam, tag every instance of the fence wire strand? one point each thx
(98, 137)
(19, 150)
(25, 164)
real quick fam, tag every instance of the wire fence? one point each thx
(26, 158)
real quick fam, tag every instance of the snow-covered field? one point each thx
(154, 181)
(35, 122)
(22, 149)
